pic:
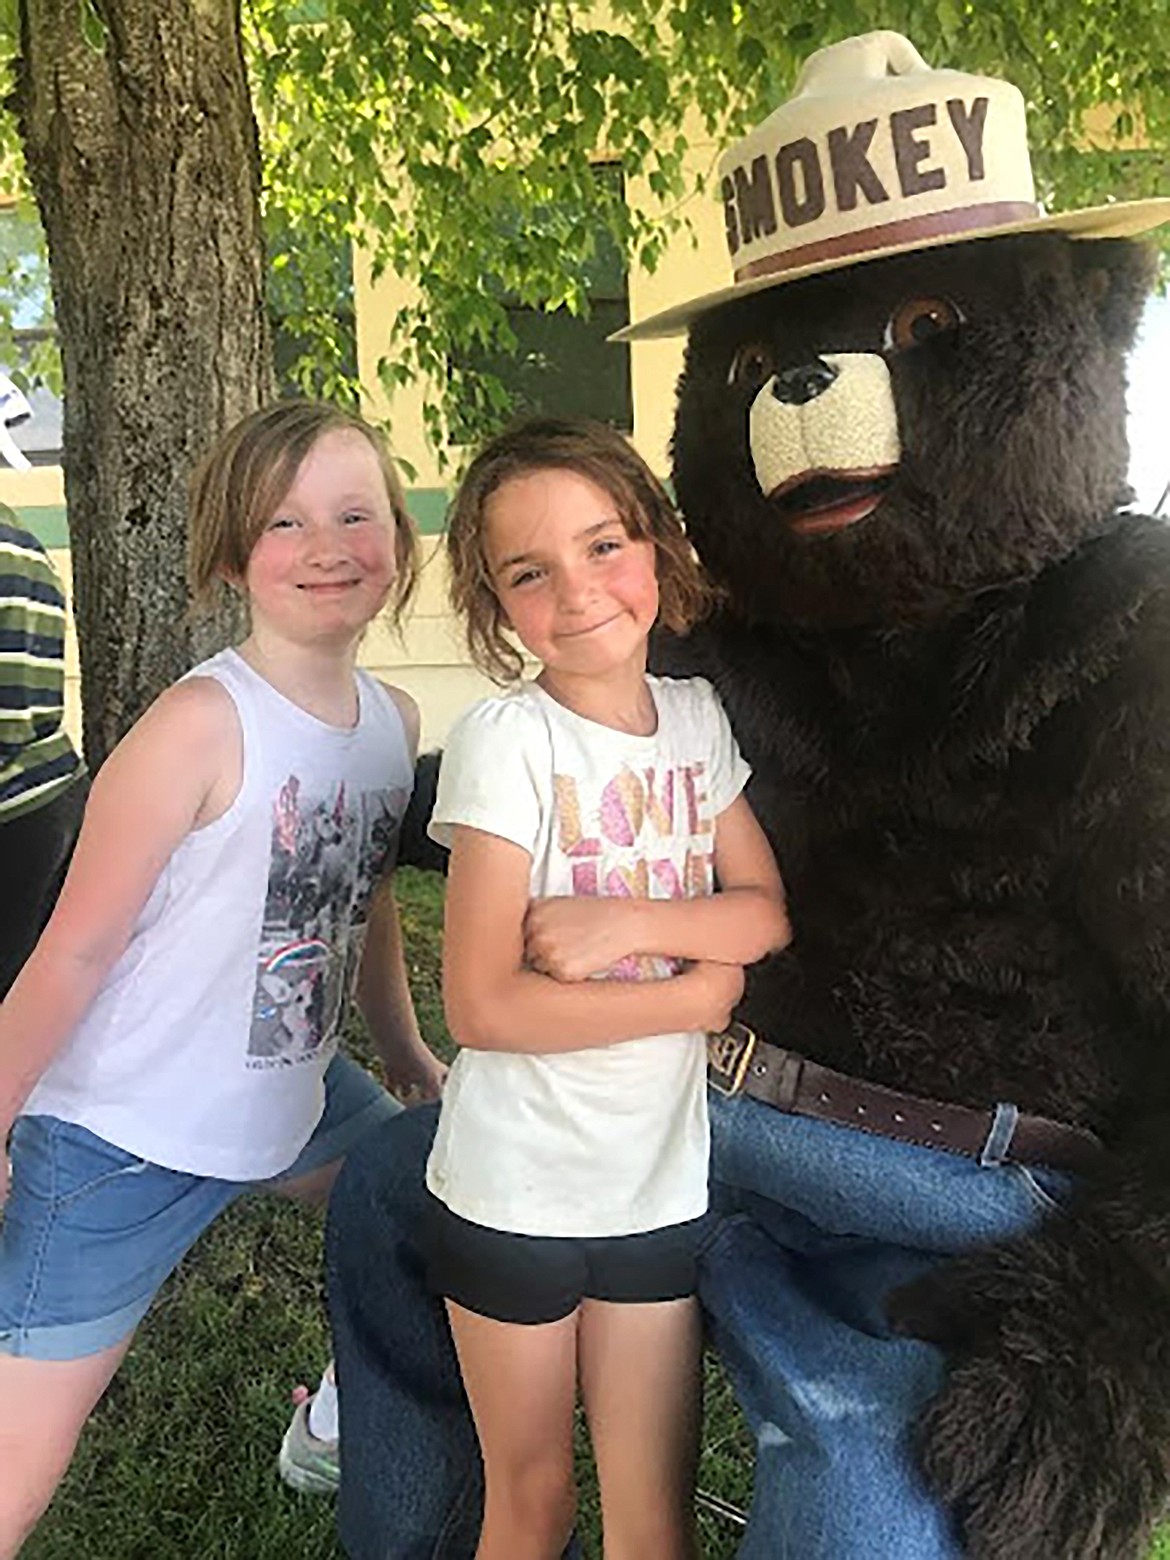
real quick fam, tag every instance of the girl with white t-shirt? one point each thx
(590, 814)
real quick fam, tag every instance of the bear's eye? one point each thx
(750, 367)
(917, 320)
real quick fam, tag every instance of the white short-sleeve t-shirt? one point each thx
(612, 1140)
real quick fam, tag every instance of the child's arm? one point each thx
(412, 1072)
(494, 1003)
(176, 770)
(571, 939)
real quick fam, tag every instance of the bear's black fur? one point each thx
(958, 715)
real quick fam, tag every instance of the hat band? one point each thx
(889, 235)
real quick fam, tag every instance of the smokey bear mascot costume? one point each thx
(940, 1279)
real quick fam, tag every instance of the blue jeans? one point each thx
(816, 1225)
(90, 1232)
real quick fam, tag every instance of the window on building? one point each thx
(563, 364)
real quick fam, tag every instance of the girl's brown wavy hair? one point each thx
(605, 458)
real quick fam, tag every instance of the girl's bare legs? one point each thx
(521, 1382)
(43, 1407)
(639, 1367)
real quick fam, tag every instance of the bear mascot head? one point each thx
(945, 648)
(939, 1268)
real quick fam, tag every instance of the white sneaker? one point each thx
(306, 1463)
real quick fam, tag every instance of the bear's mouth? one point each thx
(815, 503)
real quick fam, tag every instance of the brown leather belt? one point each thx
(740, 1061)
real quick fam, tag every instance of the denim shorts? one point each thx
(89, 1232)
(530, 1279)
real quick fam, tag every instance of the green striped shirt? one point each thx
(37, 759)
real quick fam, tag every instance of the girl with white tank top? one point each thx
(172, 1037)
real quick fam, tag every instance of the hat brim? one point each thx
(1122, 219)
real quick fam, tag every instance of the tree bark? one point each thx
(142, 151)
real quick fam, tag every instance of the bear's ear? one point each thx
(1116, 276)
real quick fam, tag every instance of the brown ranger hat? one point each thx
(876, 154)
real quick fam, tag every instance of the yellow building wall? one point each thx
(40, 487)
(427, 658)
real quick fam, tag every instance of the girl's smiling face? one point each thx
(323, 566)
(578, 591)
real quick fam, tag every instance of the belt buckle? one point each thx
(729, 1054)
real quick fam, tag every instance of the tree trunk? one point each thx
(142, 151)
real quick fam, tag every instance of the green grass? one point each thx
(180, 1459)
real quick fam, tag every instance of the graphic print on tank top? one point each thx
(328, 852)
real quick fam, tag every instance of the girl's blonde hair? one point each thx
(604, 458)
(240, 484)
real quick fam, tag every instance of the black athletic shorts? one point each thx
(540, 1278)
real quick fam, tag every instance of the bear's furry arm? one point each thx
(1052, 1436)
